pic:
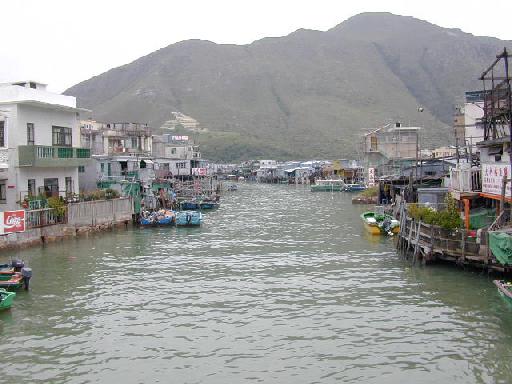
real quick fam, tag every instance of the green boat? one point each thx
(6, 299)
(328, 185)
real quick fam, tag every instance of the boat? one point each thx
(328, 185)
(156, 218)
(232, 187)
(6, 270)
(6, 299)
(190, 205)
(209, 205)
(188, 218)
(379, 223)
(14, 282)
(504, 287)
(355, 187)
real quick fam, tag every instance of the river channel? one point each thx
(280, 285)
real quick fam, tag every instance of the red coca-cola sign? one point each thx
(13, 221)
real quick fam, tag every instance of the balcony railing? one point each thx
(46, 156)
(466, 179)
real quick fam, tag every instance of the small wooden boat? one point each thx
(157, 218)
(379, 223)
(14, 282)
(189, 218)
(504, 287)
(6, 299)
(328, 185)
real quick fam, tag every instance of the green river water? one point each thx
(280, 285)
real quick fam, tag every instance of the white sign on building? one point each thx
(371, 177)
(492, 178)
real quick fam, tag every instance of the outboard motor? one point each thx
(386, 224)
(17, 265)
(27, 274)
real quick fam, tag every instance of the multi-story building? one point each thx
(119, 150)
(177, 156)
(40, 149)
(389, 149)
(467, 124)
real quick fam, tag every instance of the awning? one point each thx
(495, 150)
(147, 161)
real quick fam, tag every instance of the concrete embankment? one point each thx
(82, 219)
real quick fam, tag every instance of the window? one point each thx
(61, 136)
(134, 142)
(173, 151)
(31, 187)
(2, 133)
(373, 143)
(69, 185)
(3, 190)
(102, 167)
(32, 85)
(81, 169)
(30, 133)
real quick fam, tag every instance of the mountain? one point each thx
(309, 94)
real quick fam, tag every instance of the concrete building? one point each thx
(391, 148)
(119, 151)
(178, 156)
(467, 120)
(40, 149)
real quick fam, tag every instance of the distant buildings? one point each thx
(40, 150)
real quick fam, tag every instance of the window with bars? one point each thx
(3, 191)
(30, 133)
(2, 133)
(61, 136)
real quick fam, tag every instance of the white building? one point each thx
(177, 156)
(39, 143)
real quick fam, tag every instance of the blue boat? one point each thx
(190, 205)
(209, 204)
(157, 218)
(355, 187)
(188, 218)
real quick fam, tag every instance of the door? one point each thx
(51, 187)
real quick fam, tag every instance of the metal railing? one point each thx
(37, 218)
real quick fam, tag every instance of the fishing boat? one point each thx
(190, 205)
(209, 205)
(188, 218)
(504, 288)
(6, 270)
(328, 185)
(15, 281)
(157, 218)
(6, 299)
(355, 187)
(379, 223)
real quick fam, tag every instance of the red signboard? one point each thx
(13, 221)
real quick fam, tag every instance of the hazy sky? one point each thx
(63, 42)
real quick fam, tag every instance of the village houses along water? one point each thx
(280, 285)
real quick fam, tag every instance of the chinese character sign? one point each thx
(492, 178)
(199, 171)
(12, 221)
(371, 177)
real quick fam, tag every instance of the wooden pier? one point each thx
(425, 243)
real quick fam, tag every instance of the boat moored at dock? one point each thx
(189, 218)
(328, 185)
(6, 299)
(504, 288)
(379, 223)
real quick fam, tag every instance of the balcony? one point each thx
(46, 156)
(465, 180)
